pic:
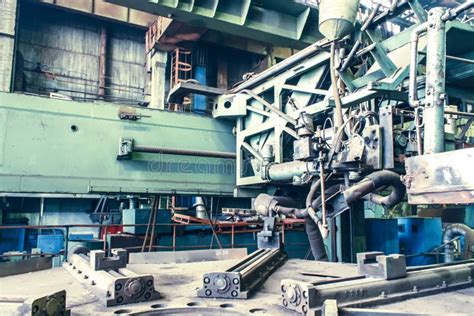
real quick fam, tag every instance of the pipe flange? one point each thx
(293, 294)
(222, 283)
(134, 288)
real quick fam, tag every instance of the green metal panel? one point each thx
(278, 22)
(40, 152)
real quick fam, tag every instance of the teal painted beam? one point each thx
(277, 22)
(56, 146)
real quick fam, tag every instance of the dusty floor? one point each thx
(178, 283)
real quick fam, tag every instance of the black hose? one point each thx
(374, 182)
(453, 231)
(312, 230)
(286, 210)
(315, 240)
(333, 189)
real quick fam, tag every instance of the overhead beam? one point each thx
(282, 23)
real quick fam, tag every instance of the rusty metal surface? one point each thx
(444, 178)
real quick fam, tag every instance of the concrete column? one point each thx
(158, 80)
(435, 93)
(7, 42)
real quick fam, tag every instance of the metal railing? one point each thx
(243, 227)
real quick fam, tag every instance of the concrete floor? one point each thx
(178, 283)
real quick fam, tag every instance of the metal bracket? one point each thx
(125, 149)
(99, 261)
(386, 122)
(377, 265)
(268, 238)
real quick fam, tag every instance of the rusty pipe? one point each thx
(183, 152)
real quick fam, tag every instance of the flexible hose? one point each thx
(315, 240)
(374, 182)
(311, 224)
(456, 230)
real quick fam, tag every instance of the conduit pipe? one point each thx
(412, 87)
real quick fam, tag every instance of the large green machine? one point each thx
(57, 146)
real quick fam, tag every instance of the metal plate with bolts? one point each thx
(241, 280)
(53, 304)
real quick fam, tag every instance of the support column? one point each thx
(7, 43)
(222, 71)
(102, 62)
(158, 79)
(435, 93)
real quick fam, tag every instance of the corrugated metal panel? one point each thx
(61, 53)
(127, 63)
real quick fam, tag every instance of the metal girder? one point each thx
(281, 22)
(57, 146)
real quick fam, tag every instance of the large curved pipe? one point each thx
(453, 231)
(331, 190)
(267, 204)
(374, 182)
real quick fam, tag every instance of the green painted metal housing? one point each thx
(278, 22)
(57, 146)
